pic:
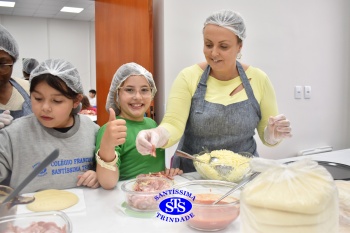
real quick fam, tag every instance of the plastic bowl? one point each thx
(140, 192)
(208, 217)
(36, 222)
(209, 171)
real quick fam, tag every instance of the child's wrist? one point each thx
(112, 165)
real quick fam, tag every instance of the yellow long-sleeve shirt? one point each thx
(185, 85)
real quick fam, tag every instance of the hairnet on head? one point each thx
(29, 64)
(8, 43)
(62, 69)
(124, 72)
(230, 20)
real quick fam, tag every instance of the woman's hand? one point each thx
(148, 140)
(5, 118)
(277, 128)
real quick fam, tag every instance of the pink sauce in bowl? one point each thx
(208, 217)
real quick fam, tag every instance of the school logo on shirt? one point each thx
(66, 166)
(175, 205)
(43, 172)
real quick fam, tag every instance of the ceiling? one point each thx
(51, 9)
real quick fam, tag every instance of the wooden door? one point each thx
(124, 33)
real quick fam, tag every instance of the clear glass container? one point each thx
(140, 192)
(209, 217)
(36, 222)
(210, 171)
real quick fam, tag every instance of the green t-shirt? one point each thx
(131, 163)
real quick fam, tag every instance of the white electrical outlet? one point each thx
(298, 92)
(307, 92)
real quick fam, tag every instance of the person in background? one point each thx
(14, 92)
(130, 95)
(92, 98)
(218, 104)
(28, 65)
(86, 107)
(56, 92)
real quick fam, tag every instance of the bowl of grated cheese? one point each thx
(238, 161)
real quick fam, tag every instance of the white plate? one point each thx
(78, 208)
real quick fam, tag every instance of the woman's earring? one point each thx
(239, 55)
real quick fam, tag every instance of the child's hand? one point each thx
(88, 179)
(173, 172)
(115, 133)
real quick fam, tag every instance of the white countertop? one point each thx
(103, 215)
(339, 156)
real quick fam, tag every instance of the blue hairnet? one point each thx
(230, 20)
(8, 43)
(124, 72)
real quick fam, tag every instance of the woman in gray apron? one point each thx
(202, 132)
(219, 104)
(8, 56)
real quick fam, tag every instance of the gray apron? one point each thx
(26, 110)
(215, 126)
(26, 107)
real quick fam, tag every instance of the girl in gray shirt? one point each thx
(56, 92)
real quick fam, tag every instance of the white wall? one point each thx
(296, 42)
(43, 38)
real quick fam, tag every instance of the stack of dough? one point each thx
(344, 205)
(293, 198)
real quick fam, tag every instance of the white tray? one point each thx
(78, 208)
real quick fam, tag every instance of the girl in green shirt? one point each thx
(130, 95)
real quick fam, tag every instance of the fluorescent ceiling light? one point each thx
(7, 4)
(72, 9)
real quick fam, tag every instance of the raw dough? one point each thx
(344, 203)
(290, 198)
(52, 199)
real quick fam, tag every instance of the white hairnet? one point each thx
(124, 72)
(230, 20)
(62, 69)
(8, 43)
(29, 64)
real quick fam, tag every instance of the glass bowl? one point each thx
(140, 192)
(208, 217)
(5, 208)
(4, 192)
(238, 161)
(52, 221)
